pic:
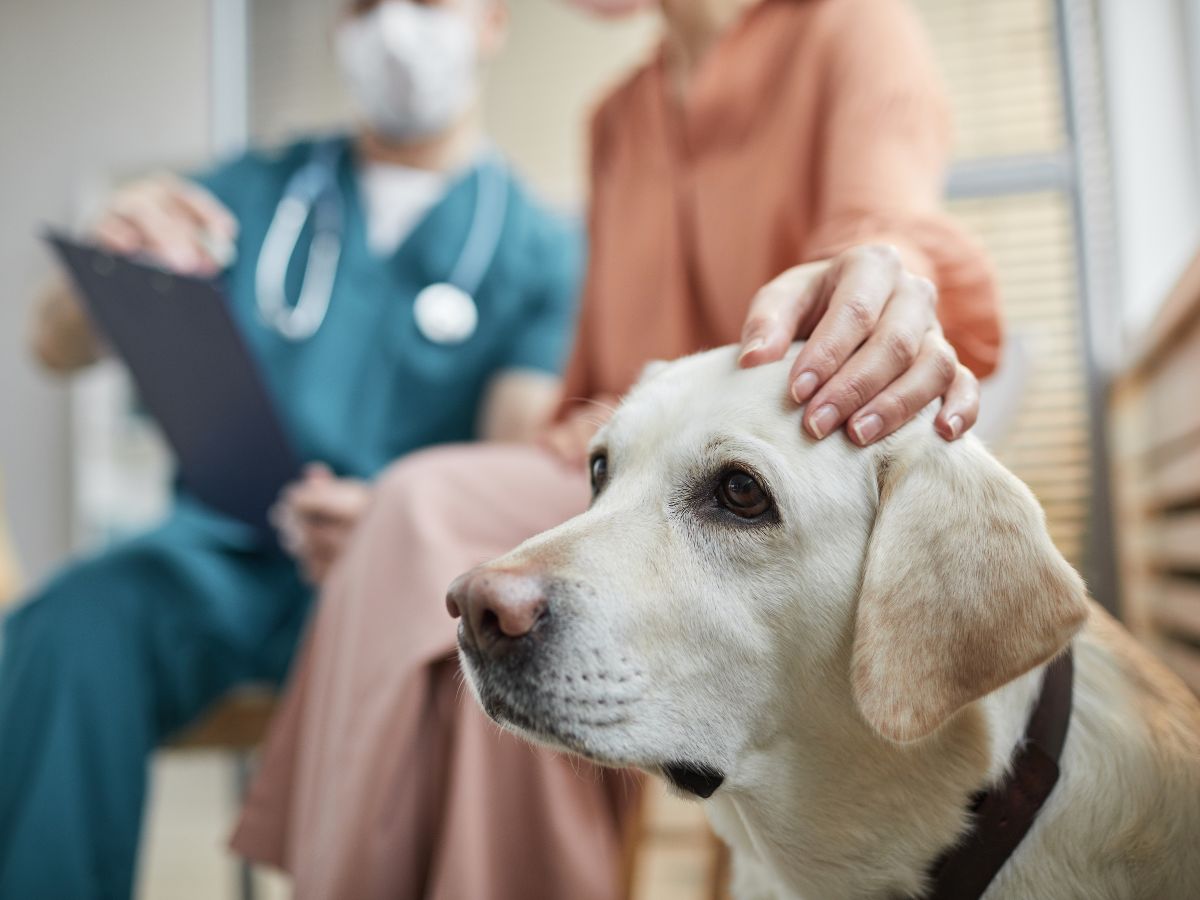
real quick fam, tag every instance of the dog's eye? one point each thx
(742, 495)
(599, 470)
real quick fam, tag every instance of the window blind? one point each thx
(1002, 67)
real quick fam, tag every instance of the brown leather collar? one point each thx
(1004, 814)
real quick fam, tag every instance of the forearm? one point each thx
(62, 337)
(882, 167)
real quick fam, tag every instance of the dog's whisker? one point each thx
(607, 407)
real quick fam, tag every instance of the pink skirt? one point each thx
(380, 777)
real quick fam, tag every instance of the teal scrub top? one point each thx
(368, 387)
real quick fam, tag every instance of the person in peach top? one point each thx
(796, 144)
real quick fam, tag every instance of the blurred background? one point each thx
(1078, 137)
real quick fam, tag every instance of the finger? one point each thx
(165, 234)
(203, 208)
(887, 354)
(318, 471)
(325, 538)
(927, 379)
(291, 539)
(864, 284)
(277, 515)
(115, 234)
(305, 498)
(313, 504)
(213, 227)
(163, 238)
(777, 310)
(284, 503)
(282, 514)
(960, 406)
(340, 501)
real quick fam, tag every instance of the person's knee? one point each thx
(47, 620)
(87, 608)
(414, 482)
(420, 497)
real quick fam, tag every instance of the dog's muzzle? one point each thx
(513, 641)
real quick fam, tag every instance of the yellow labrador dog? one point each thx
(840, 648)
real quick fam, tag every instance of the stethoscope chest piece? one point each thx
(445, 314)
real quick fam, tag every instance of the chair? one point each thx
(672, 853)
(235, 725)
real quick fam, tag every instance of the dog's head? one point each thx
(733, 576)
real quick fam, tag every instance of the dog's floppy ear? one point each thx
(962, 591)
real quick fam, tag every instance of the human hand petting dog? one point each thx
(315, 516)
(875, 354)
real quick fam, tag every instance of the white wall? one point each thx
(85, 88)
(1155, 167)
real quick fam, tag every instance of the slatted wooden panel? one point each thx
(1000, 63)
(1031, 241)
(1156, 478)
(679, 858)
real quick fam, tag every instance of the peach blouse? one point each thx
(812, 126)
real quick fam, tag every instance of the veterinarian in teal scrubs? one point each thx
(124, 648)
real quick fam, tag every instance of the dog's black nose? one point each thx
(498, 607)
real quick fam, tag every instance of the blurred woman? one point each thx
(759, 135)
(399, 288)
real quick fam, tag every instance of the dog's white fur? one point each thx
(857, 669)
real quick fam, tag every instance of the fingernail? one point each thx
(803, 386)
(867, 428)
(955, 424)
(186, 260)
(755, 344)
(822, 420)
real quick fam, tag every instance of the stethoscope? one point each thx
(444, 312)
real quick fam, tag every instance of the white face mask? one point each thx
(409, 68)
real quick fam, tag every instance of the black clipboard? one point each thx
(195, 375)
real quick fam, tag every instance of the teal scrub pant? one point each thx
(113, 655)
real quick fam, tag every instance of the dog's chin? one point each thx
(695, 779)
(522, 710)
(524, 705)
(538, 728)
